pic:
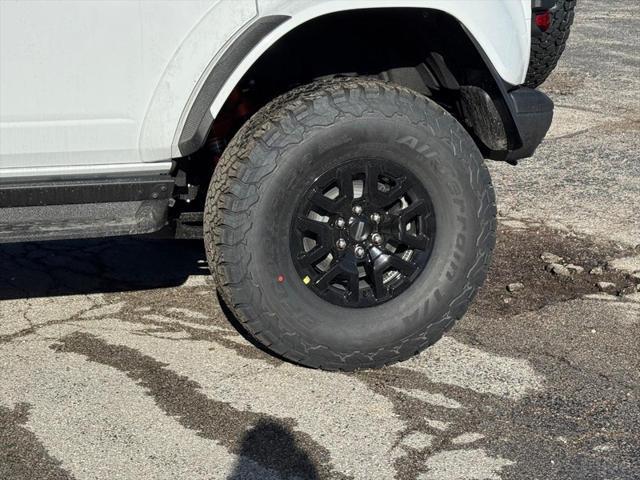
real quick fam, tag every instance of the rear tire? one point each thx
(256, 204)
(547, 48)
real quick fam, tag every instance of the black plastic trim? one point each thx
(526, 114)
(533, 113)
(499, 93)
(70, 192)
(542, 4)
(199, 120)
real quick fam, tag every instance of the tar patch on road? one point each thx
(22, 456)
(272, 443)
(516, 258)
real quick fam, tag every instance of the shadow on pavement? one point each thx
(271, 445)
(71, 267)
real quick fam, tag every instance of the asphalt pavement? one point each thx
(117, 360)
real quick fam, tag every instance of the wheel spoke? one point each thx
(314, 255)
(397, 192)
(415, 242)
(345, 268)
(371, 182)
(307, 225)
(327, 278)
(404, 267)
(381, 198)
(417, 208)
(375, 275)
(345, 184)
(323, 203)
(354, 285)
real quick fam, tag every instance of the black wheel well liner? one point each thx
(385, 42)
(199, 120)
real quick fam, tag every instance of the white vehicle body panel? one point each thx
(88, 85)
(81, 82)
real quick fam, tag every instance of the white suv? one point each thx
(332, 152)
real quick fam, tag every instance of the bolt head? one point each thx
(376, 238)
(341, 244)
(359, 251)
(375, 217)
(340, 223)
(357, 209)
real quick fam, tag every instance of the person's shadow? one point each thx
(270, 445)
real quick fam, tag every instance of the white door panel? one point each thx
(77, 77)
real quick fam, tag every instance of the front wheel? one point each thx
(349, 223)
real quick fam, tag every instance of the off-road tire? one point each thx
(254, 192)
(547, 48)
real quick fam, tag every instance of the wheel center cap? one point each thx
(360, 229)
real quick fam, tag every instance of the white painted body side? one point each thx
(88, 85)
(103, 82)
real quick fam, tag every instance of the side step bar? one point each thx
(83, 208)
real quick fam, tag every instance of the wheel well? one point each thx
(375, 42)
(426, 50)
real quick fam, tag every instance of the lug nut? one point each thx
(359, 251)
(357, 209)
(340, 223)
(341, 244)
(376, 238)
(375, 217)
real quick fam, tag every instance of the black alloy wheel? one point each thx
(364, 233)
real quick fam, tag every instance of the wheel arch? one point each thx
(264, 35)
